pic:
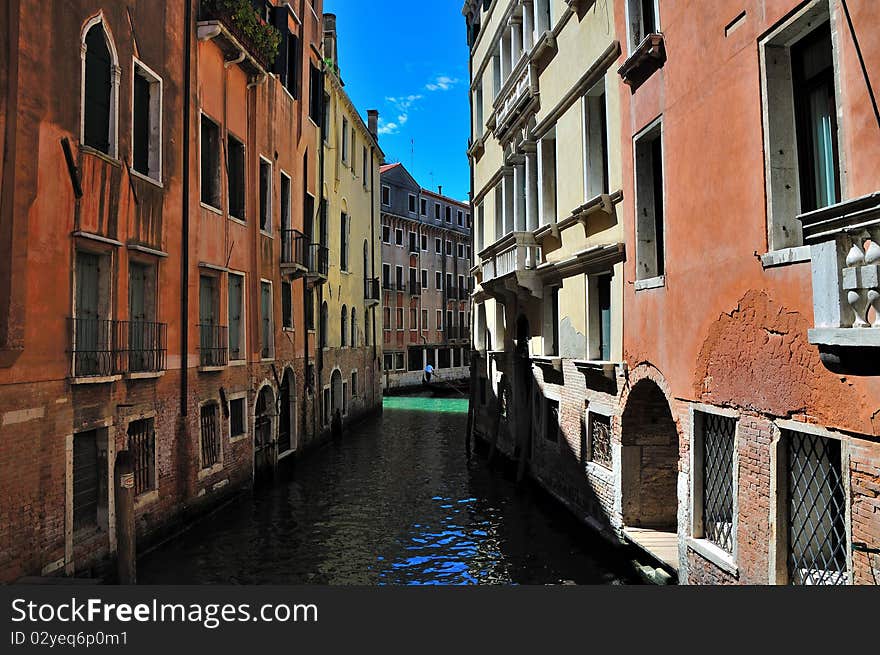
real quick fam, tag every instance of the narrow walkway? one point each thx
(658, 543)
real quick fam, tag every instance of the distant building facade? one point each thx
(425, 280)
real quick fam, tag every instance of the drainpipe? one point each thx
(184, 274)
(319, 194)
(373, 248)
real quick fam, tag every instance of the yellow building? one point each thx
(350, 354)
(549, 240)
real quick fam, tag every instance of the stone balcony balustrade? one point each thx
(509, 265)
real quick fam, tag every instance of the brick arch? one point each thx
(649, 438)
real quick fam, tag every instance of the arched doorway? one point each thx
(287, 416)
(649, 460)
(264, 423)
(336, 399)
(522, 396)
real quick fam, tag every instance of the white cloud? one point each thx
(442, 83)
(401, 106)
(387, 128)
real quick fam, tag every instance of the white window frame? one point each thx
(115, 76)
(244, 314)
(695, 541)
(386, 190)
(654, 130)
(155, 146)
(271, 357)
(238, 396)
(270, 209)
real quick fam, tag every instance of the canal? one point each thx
(396, 501)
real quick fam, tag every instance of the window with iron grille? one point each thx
(210, 435)
(817, 542)
(142, 445)
(599, 439)
(715, 441)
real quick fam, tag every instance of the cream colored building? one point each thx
(548, 239)
(350, 352)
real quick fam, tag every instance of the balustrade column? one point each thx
(506, 56)
(519, 207)
(532, 190)
(528, 24)
(508, 184)
(516, 35)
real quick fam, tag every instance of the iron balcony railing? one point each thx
(253, 37)
(318, 259)
(105, 347)
(146, 346)
(388, 284)
(213, 345)
(463, 293)
(371, 289)
(95, 347)
(293, 248)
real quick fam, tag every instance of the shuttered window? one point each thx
(266, 319)
(85, 480)
(97, 103)
(236, 303)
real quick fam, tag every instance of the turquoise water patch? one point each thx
(426, 404)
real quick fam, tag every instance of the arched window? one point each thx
(354, 328)
(100, 90)
(344, 327)
(323, 328)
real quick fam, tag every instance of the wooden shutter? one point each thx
(98, 89)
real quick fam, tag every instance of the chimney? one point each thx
(330, 41)
(440, 190)
(373, 122)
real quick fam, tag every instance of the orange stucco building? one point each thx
(159, 251)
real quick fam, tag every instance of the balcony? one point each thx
(517, 95)
(371, 291)
(293, 253)
(105, 349)
(509, 266)
(648, 57)
(317, 261)
(240, 33)
(844, 241)
(463, 293)
(213, 347)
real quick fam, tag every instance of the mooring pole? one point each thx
(123, 476)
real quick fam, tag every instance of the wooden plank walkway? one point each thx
(659, 543)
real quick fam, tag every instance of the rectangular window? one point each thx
(145, 337)
(398, 278)
(286, 305)
(345, 144)
(438, 246)
(598, 444)
(449, 288)
(460, 251)
(439, 319)
(424, 320)
(266, 320)
(478, 112)
(354, 384)
(547, 174)
(237, 417)
(424, 278)
(438, 280)
(413, 280)
(236, 312)
(89, 485)
(386, 195)
(460, 218)
(481, 226)
(213, 338)
(210, 163)
(413, 242)
(365, 166)
(437, 211)
(424, 207)
(643, 21)
(388, 362)
(398, 237)
(344, 241)
(596, 142)
(235, 177)
(285, 203)
(265, 196)
(316, 93)
(551, 417)
(448, 214)
(294, 61)
(142, 446)
(210, 435)
(386, 276)
(412, 204)
(413, 319)
(399, 362)
(449, 323)
(386, 318)
(424, 241)
(449, 248)
(386, 234)
(714, 444)
(310, 309)
(816, 538)
(599, 308)
(147, 123)
(400, 324)
(649, 204)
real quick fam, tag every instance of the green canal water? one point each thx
(395, 501)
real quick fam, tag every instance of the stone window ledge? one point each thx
(105, 379)
(651, 283)
(720, 558)
(648, 57)
(847, 337)
(786, 257)
(146, 375)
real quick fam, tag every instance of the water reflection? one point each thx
(395, 502)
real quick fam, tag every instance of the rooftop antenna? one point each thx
(412, 154)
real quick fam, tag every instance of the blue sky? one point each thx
(409, 60)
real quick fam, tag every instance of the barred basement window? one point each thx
(599, 439)
(142, 445)
(817, 542)
(714, 443)
(210, 435)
